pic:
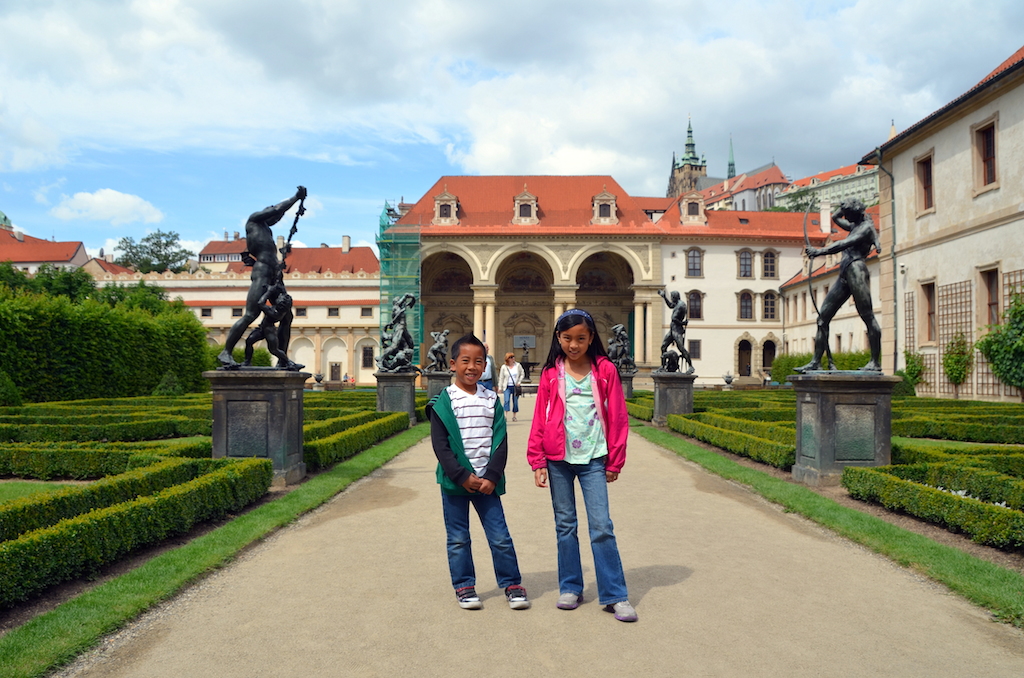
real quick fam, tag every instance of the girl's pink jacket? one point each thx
(547, 434)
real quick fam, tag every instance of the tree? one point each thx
(1003, 346)
(956, 362)
(74, 283)
(159, 251)
(141, 296)
(914, 369)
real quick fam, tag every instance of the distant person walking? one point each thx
(579, 432)
(487, 379)
(510, 378)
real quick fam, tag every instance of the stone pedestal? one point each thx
(437, 382)
(627, 383)
(396, 392)
(673, 394)
(842, 419)
(257, 412)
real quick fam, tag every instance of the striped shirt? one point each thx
(475, 414)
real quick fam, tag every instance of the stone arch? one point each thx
(744, 354)
(771, 347)
(524, 299)
(364, 375)
(333, 351)
(301, 350)
(637, 268)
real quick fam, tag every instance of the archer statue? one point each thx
(854, 280)
(267, 282)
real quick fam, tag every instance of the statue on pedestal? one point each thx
(396, 342)
(267, 285)
(854, 280)
(618, 350)
(438, 353)
(676, 334)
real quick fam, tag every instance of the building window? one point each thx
(694, 348)
(525, 211)
(222, 257)
(746, 306)
(768, 265)
(367, 356)
(985, 168)
(332, 312)
(366, 312)
(444, 211)
(300, 313)
(206, 312)
(769, 306)
(694, 302)
(692, 209)
(928, 292)
(234, 257)
(603, 211)
(990, 282)
(236, 313)
(746, 265)
(925, 195)
(206, 258)
(694, 264)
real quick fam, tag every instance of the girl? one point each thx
(579, 433)
(509, 376)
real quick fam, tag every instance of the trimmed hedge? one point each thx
(329, 427)
(921, 427)
(38, 511)
(640, 409)
(767, 451)
(79, 546)
(319, 454)
(780, 433)
(983, 523)
(149, 429)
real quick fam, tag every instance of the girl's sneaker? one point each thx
(624, 612)
(569, 601)
(517, 599)
(468, 599)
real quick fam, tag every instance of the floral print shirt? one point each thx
(584, 438)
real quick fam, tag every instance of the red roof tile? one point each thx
(822, 177)
(34, 250)
(323, 259)
(770, 176)
(111, 267)
(1014, 58)
(224, 247)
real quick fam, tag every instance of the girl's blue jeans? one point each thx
(611, 580)
(460, 551)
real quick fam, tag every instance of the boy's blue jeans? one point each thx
(611, 580)
(460, 552)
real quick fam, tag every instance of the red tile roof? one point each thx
(1014, 58)
(822, 177)
(111, 267)
(224, 247)
(35, 250)
(770, 176)
(323, 259)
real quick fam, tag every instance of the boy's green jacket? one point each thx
(441, 406)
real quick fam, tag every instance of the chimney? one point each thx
(109, 258)
(236, 235)
(826, 217)
(346, 244)
(280, 242)
(225, 236)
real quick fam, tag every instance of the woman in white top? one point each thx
(509, 377)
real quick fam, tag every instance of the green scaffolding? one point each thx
(399, 270)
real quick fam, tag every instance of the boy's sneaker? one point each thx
(517, 599)
(624, 612)
(569, 601)
(468, 599)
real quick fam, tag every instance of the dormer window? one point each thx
(691, 209)
(604, 211)
(446, 209)
(526, 212)
(604, 208)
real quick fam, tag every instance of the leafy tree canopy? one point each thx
(159, 251)
(74, 283)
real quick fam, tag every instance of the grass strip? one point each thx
(57, 637)
(17, 490)
(983, 583)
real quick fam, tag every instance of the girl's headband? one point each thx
(574, 311)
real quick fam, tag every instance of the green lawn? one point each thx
(18, 489)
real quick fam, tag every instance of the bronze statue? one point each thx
(618, 350)
(267, 272)
(676, 334)
(396, 343)
(438, 353)
(280, 308)
(854, 280)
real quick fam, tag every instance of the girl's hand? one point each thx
(611, 476)
(540, 477)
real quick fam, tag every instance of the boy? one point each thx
(467, 430)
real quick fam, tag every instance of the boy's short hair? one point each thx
(468, 339)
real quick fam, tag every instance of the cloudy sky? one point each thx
(121, 117)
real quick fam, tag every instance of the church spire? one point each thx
(732, 161)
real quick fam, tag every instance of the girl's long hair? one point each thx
(565, 322)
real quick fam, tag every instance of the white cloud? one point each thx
(41, 193)
(107, 204)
